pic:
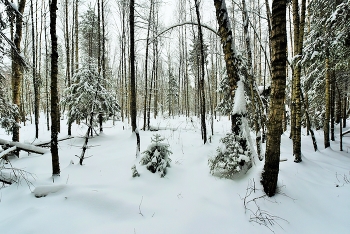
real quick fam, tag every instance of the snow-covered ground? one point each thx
(102, 196)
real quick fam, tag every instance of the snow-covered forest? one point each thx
(185, 116)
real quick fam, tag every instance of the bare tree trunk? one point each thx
(327, 101)
(35, 81)
(146, 69)
(344, 111)
(103, 59)
(230, 57)
(17, 73)
(156, 61)
(340, 127)
(308, 121)
(133, 110)
(298, 23)
(46, 76)
(274, 124)
(54, 90)
(332, 105)
(67, 58)
(76, 25)
(201, 84)
(98, 37)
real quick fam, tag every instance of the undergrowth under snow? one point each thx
(102, 196)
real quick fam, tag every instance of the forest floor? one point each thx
(102, 196)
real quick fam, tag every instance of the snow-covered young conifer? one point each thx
(156, 157)
(135, 173)
(232, 157)
(87, 94)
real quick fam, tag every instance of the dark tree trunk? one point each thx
(201, 81)
(54, 90)
(327, 101)
(133, 110)
(35, 81)
(232, 63)
(103, 59)
(68, 70)
(308, 122)
(332, 106)
(344, 112)
(274, 123)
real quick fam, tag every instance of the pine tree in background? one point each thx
(8, 111)
(156, 157)
(88, 90)
(327, 45)
(173, 92)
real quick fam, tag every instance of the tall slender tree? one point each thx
(274, 123)
(17, 70)
(68, 70)
(201, 79)
(298, 26)
(133, 110)
(54, 89)
(35, 79)
(145, 126)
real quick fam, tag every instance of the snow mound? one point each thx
(43, 191)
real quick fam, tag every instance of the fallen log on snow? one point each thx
(25, 147)
(44, 143)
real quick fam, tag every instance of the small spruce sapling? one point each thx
(156, 157)
(135, 173)
(235, 154)
(231, 158)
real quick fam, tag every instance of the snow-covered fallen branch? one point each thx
(158, 128)
(44, 143)
(25, 147)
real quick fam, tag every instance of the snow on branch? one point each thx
(180, 25)
(12, 7)
(25, 147)
(23, 60)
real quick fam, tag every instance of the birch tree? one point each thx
(274, 124)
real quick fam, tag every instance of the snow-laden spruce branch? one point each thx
(23, 60)
(13, 7)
